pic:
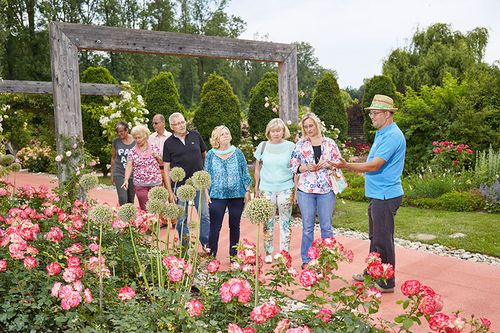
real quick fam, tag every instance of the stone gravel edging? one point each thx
(419, 246)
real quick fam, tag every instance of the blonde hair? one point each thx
(141, 130)
(314, 118)
(214, 138)
(277, 123)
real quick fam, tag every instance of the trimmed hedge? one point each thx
(161, 96)
(327, 104)
(258, 114)
(218, 106)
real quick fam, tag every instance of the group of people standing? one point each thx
(285, 173)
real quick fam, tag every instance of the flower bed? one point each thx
(80, 268)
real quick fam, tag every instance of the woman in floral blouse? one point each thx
(311, 163)
(144, 161)
(230, 187)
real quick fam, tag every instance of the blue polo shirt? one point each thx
(389, 145)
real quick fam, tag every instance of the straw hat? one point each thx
(382, 102)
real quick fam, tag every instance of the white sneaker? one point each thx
(268, 259)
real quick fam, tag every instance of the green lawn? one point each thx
(105, 180)
(482, 230)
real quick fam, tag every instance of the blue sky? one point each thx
(354, 37)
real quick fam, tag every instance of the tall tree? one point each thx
(328, 104)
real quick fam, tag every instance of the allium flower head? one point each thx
(101, 214)
(189, 181)
(127, 212)
(6, 160)
(172, 211)
(201, 180)
(156, 207)
(177, 174)
(88, 182)
(186, 193)
(15, 167)
(158, 193)
(259, 210)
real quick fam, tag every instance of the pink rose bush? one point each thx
(69, 269)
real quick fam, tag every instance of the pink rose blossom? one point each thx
(410, 287)
(175, 274)
(72, 300)
(76, 248)
(53, 268)
(301, 329)
(94, 247)
(313, 253)
(126, 293)
(282, 325)
(87, 296)
(78, 285)
(485, 322)
(3, 265)
(54, 235)
(233, 328)
(248, 330)
(308, 278)
(55, 289)
(375, 270)
(373, 257)
(236, 287)
(325, 315)
(65, 291)
(438, 321)
(73, 261)
(30, 262)
(213, 266)
(194, 308)
(429, 305)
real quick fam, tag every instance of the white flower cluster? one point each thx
(3, 116)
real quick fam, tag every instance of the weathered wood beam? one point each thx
(45, 87)
(66, 94)
(90, 37)
(287, 87)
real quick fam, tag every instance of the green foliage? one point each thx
(327, 103)
(445, 113)
(491, 194)
(377, 85)
(353, 193)
(487, 166)
(96, 74)
(218, 106)
(37, 157)
(162, 97)
(258, 113)
(434, 52)
(92, 111)
(461, 201)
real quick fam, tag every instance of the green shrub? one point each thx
(328, 105)
(258, 113)
(461, 201)
(487, 166)
(218, 106)
(379, 84)
(356, 194)
(354, 180)
(162, 96)
(92, 110)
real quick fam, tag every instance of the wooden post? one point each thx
(287, 87)
(66, 93)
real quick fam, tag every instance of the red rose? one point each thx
(411, 287)
(308, 278)
(53, 268)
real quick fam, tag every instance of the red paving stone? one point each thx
(473, 288)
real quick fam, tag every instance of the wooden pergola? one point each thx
(66, 39)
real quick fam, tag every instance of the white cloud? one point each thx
(354, 37)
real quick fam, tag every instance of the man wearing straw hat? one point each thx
(383, 170)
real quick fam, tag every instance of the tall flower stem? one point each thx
(186, 216)
(196, 234)
(141, 269)
(257, 268)
(100, 268)
(158, 252)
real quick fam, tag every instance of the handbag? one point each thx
(338, 181)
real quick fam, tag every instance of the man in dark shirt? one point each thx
(187, 150)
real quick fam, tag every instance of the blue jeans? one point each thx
(204, 224)
(309, 204)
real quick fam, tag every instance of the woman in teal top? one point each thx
(230, 183)
(274, 181)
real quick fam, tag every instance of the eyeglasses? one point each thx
(177, 124)
(375, 113)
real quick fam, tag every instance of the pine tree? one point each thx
(327, 104)
(218, 106)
